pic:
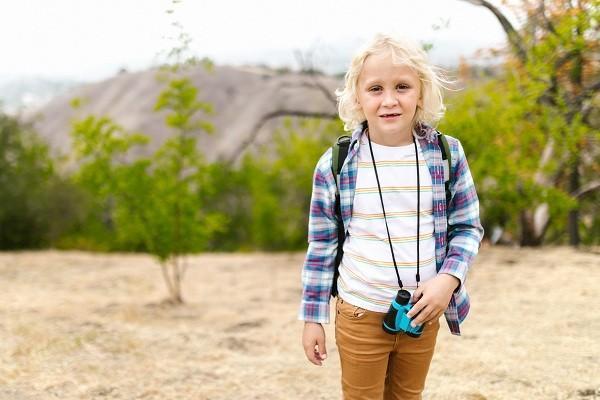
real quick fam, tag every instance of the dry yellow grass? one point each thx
(85, 326)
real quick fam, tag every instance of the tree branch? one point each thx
(319, 86)
(588, 92)
(549, 24)
(167, 279)
(564, 58)
(315, 84)
(586, 189)
(576, 104)
(273, 115)
(513, 36)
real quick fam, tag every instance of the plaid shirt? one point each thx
(463, 240)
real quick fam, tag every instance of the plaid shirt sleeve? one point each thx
(465, 230)
(318, 269)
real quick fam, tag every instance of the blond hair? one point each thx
(403, 52)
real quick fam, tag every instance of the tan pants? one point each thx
(375, 364)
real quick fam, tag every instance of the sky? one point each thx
(85, 40)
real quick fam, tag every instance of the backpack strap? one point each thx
(447, 158)
(338, 156)
(447, 161)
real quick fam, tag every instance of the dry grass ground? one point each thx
(86, 326)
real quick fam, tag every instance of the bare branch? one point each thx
(513, 36)
(549, 24)
(176, 279)
(565, 57)
(272, 115)
(588, 92)
(164, 268)
(321, 87)
(586, 189)
(315, 84)
(540, 177)
(576, 104)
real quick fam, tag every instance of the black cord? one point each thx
(418, 277)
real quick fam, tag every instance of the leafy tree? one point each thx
(36, 205)
(502, 132)
(553, 76)
(154, 199)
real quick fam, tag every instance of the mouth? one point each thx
(390, 115)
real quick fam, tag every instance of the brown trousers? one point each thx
(377, 365)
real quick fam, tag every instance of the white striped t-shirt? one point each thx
(367, 276)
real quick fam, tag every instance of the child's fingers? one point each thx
(322, 351)
(416, 308)
(417, 294)
(312, 355)
(313, 339)
(425, 314)
(315, 359)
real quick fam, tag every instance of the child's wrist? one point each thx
(452, 280)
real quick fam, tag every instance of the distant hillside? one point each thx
(242, 97)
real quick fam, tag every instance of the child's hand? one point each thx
(313, 341)
(433, 297)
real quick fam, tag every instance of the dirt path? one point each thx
(85, 326)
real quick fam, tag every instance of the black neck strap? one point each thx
(418, 277)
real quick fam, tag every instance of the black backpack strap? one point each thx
(447, 158)
(338, 156)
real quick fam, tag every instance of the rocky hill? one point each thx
(249, 104)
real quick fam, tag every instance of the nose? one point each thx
(389, 99)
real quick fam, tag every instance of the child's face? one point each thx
(388, 95)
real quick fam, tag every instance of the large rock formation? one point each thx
(248, 103)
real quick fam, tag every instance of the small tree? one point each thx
(180, 174)
(155, 198)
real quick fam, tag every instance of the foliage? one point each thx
(36, 205)
(503, 133)
(153, 202)
(268, 195)
(280, 186)
(533, 128)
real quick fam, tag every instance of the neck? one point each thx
(391, 140)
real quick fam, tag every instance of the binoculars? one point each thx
(396, 321)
